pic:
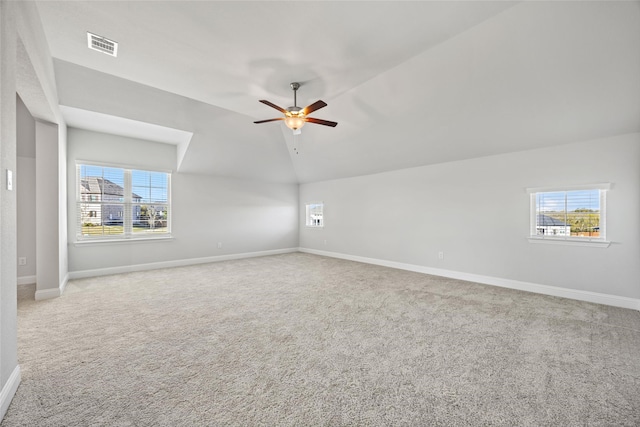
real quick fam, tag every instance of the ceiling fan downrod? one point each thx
(295, 86)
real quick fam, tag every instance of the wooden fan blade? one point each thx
(272, 105)
(313, 107)
(269, 120)
(320, 122)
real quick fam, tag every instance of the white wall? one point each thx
(47, 211)
(9, 369)
(477, 212)
(245, 216)
(26, 226)
(26, 192)
(61, 176)
(26, 67)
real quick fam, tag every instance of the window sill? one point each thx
(571, 242)
(146, 239)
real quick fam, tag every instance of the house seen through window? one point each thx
(118, 202)
(314, 214)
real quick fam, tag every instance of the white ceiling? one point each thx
(410, 83)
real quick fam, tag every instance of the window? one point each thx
(575, 214)
(115, 202)
(314, 214)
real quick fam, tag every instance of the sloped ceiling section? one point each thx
(224, 143)
(410, 83)
(98, 122)
(537, 75)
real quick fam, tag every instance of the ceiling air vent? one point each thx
(101, 44)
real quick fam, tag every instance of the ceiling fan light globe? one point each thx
(294, 122)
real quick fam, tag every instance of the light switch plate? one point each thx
(9, 180)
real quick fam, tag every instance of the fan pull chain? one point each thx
(295, 144)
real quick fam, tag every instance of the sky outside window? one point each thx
(150, 186)
(579, 199)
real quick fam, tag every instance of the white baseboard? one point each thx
(47, 294)
(595, 297)
(42, 294)
(9, 390)
(174, 263)
(26, 280)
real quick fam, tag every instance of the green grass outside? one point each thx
(112, 230)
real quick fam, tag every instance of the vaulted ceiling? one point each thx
(410, 83)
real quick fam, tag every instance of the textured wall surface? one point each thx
(8, 268)
(244, 215)
(477, 213)
(26, 189)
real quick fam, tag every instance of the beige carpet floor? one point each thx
(303, 340)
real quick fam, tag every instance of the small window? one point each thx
(574, 214)
(315, 216)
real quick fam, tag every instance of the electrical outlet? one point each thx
(440, 255)
(22, 260)
(325, 242)
(219, 245)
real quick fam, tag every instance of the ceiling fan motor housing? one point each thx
(295, 111)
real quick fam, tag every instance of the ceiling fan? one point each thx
(295, 117)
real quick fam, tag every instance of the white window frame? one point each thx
(128, 234)
(308, 220)
(600, 241)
